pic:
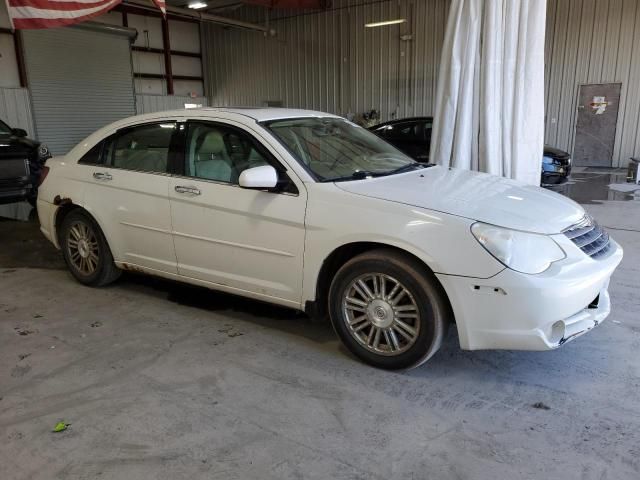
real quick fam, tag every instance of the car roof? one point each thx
(258, 114)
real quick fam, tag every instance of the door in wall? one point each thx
(80, 79)
(596, 126)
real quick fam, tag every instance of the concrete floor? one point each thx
(165, 381)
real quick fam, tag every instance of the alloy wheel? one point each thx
(381, 314)
(82, 246)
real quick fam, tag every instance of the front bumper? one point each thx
(554, 178)
(14, 195)
(516, 311)
(556, 172)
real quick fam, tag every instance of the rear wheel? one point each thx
(387, 310)
(86, 251)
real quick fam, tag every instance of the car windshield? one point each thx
(4, 128)
(334, 149)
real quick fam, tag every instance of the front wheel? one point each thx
(388, 310)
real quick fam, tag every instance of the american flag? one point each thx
(28, 14)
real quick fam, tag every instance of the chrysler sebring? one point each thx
(307, 210)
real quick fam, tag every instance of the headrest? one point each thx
(213, 143)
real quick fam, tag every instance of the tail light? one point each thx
(44, 171)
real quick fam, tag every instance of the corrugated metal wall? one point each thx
(159, 103)
(593, 41)
(328, 61)
(15, 109)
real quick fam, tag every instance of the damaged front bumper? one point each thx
(583, 321)
(515, 311)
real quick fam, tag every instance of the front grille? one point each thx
(12, 169)
(590, 237)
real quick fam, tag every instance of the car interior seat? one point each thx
(136, 156)
(210, 158)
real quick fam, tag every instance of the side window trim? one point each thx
(100, 162)
(177, 149)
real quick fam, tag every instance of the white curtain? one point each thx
(490, 98)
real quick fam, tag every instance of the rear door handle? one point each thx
(102, 176)
(187, 190)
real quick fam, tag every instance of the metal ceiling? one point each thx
(220, 6)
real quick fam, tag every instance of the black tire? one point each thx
(105, 270)
(424, 294)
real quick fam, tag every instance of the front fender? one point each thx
(441, 241)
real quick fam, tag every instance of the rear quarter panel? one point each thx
(61, 186)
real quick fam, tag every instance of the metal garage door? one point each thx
(80, 80)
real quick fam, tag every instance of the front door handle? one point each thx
(187, 190)
(102, 176)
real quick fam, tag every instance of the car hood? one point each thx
(555, 152)
(10, 146)
(477, 196)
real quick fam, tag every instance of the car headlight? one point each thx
(520, 251)
(43, 152)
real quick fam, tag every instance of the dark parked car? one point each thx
(413, 137)
(556, 166)
(21, 160)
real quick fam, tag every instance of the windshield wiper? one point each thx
(362, 174)
(358, 175)
(407, 168)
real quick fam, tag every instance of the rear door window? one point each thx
(93, 156)
(144, 148)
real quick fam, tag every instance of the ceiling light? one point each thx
(197, 5)
(386, 22)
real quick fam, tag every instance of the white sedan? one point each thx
(307, 210)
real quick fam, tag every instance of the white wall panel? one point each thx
(160, 103)
(148, 62)
(186, 66)
(15, 109)
(330, 61)
(4, 17)
(188, 87)
(184, 36)
(9, 75)
(150, 86)
(149, 30)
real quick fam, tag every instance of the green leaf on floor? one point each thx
(61, 427)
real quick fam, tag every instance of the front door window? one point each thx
(219, 153)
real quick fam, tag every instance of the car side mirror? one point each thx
(19, 132)
(259, 177)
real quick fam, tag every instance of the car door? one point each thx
(242, 239)
(127, 192)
